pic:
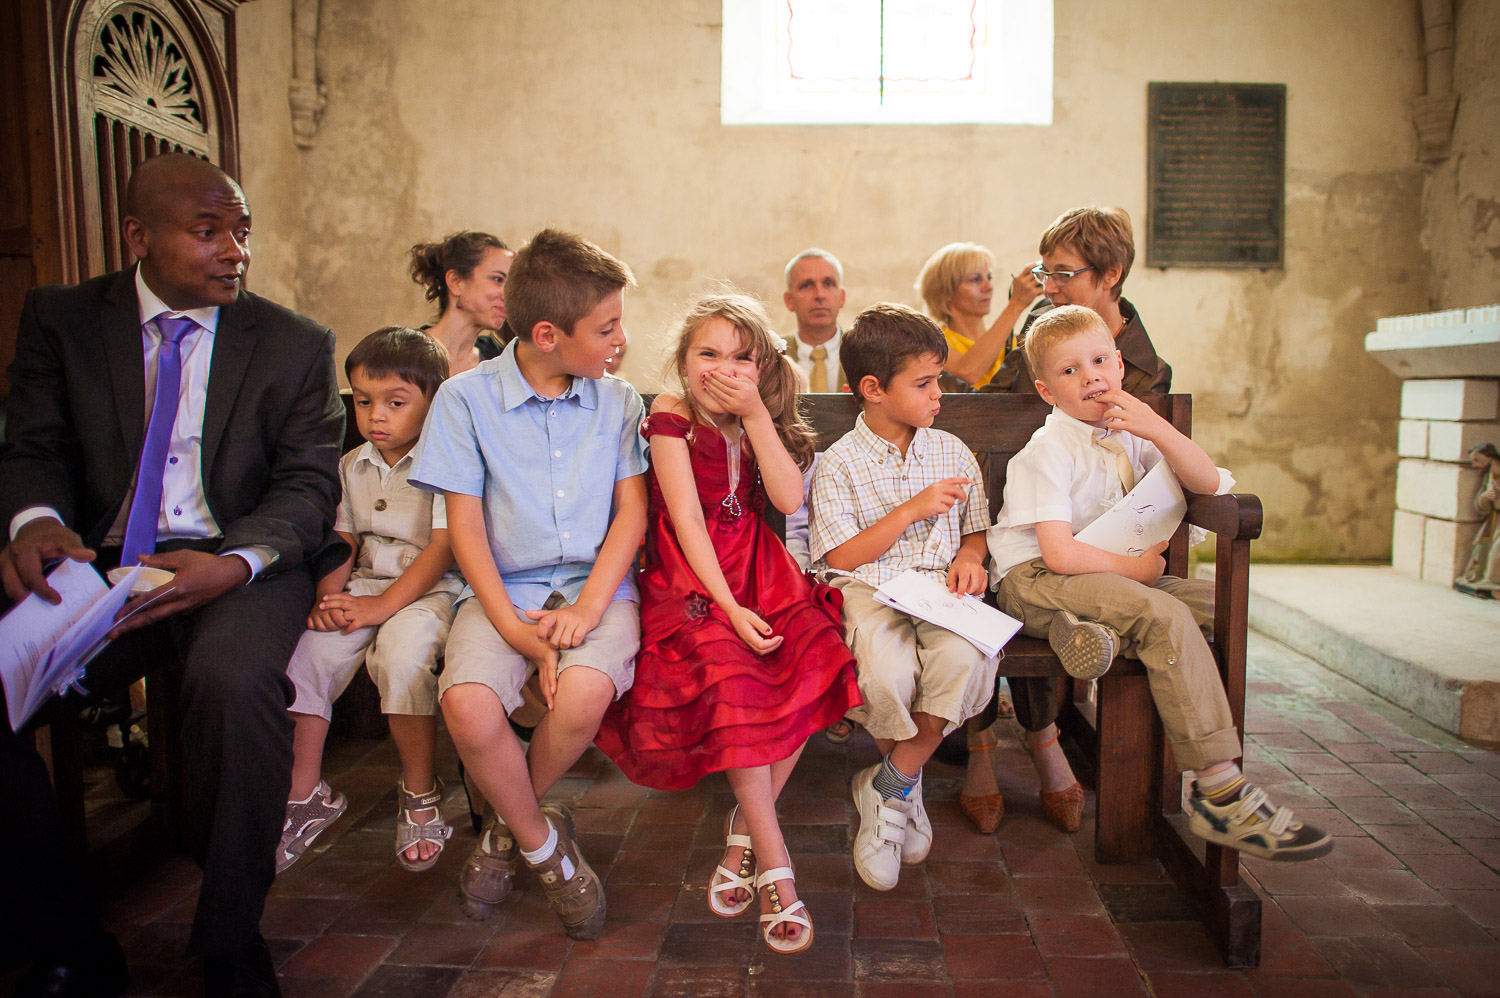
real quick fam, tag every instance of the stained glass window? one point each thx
(887, 61)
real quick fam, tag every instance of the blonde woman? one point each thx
(957, 284)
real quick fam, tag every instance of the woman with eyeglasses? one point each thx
(957, 284)
(1086, 256)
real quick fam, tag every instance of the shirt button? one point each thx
(552, 413)
(557, 453)
(171, 460)
(380, 505)
(559, 493)
(176, 510)
(567, 534)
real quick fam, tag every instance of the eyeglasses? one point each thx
(1059, 277)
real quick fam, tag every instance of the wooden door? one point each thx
(89, 89)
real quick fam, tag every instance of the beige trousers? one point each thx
(478, 654)
(1162, 625)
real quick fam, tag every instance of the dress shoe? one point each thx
(247, 973)
(96, 971)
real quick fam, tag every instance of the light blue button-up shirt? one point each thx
(545, 468)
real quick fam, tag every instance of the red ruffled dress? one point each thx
(702, 700)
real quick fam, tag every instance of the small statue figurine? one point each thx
(1482, 576)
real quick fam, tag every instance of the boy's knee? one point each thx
(583, 695)
(467, 706)
(1167, 609)
(398, 668)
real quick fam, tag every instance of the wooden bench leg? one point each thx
(1231, 910)
(65, 758)
(1130, 743)
(163, 727)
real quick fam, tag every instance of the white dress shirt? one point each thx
(1061, 474)
(184, 510)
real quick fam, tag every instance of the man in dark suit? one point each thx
(165, 415)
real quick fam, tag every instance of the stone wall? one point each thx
(1461, 202)
(603, 118)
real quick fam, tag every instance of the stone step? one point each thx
(1430, 650)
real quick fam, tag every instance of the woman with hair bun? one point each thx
(465, 275)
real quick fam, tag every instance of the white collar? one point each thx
(369, 452)
(830, 344)
(153, 307)
(1071, 424)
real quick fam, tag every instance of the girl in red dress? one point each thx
(742, 656)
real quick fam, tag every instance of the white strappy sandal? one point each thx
(796, 913)
(725, 881)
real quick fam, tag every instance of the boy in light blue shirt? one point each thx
(539, 455)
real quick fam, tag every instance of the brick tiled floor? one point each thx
(1409, 902)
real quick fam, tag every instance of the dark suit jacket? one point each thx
(272, 427)
(1145, 372)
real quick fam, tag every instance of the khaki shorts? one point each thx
(907, 666)
(401, 655)
(478, 654)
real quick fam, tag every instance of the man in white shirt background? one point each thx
(814, 294)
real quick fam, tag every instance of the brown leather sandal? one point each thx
(1064, 808)
(984, 811)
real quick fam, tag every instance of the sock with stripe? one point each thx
(891, 783)
(1222, 787)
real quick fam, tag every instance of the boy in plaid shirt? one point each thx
(894, 494)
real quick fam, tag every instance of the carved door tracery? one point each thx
(147, 78)
(88, 89)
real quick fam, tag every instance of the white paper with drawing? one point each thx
(1148, 514)
(970, 617)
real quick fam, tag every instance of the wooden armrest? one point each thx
(1235, 517)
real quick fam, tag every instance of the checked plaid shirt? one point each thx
(862, 477)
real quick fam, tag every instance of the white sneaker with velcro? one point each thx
(882, 832)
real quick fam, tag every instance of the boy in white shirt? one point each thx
(1089, 602)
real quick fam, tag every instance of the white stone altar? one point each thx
(1450, 400)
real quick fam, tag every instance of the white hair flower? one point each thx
(778, 342)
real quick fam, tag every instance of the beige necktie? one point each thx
(817, 380)
(1112, 444)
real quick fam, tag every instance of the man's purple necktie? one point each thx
(145, 508)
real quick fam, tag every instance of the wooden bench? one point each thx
(1139, 788)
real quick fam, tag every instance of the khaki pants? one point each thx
(907, 666)
(1163, 626)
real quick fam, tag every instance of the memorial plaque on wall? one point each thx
(1216, 173)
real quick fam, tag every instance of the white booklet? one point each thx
(1147, 515)
(44, 648)
(970, 617)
